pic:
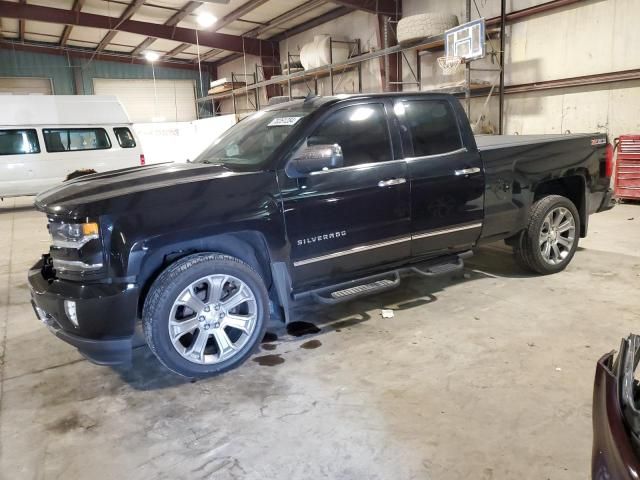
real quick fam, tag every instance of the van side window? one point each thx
(432, 126)
(361, 131)
(18, 142)
(124, 136)
(74, 139)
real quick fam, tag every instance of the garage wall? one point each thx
(175, 98)
(348, 27)
(590, 37)
(71, 75)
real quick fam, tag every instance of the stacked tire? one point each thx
(417, 27)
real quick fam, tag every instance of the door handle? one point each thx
(468, 171)
(392, 181)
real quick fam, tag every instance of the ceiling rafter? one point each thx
(232, 17)
(64, 38)
(129, 12)
(378, 7)
(179, 49)
(273, 23)
(143, 46)
(176, 18)
(21, 26)
(207, 39)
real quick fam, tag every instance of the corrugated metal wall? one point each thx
(62, 70)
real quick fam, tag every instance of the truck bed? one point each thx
(515, 164)
(489, 142)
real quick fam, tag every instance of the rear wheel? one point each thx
(551, 237)
(205, 314)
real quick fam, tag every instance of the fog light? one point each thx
(70, 310)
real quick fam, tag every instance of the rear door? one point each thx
(353, 218)
(447, 180)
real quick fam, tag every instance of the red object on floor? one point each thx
(627, 178)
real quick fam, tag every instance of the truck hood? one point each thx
(102, 192)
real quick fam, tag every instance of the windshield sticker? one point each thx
(232, 150)
(283, 121)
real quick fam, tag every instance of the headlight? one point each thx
(71, 250)
(72, 235)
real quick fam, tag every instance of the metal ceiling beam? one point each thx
(21, 25)
(378, 7)
(324, 18)
(142, 47)
(76, 52)
(238, 13)
(285, 17)
(207, 39)
(176, 18)
(183, 13)
(180, 48)
(77, 6)
(131, 9)
(273, 23)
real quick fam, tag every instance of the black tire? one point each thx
(527, 249)
(164, 292)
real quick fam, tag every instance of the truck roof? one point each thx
(19, 110)
(314, 102)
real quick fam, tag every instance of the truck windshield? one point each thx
(250, 142)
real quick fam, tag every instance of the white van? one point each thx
(45, 139)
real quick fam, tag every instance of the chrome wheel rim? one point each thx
(212, 319)
(557, 235)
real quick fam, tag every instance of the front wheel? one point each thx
(205, 314)
(550, 240)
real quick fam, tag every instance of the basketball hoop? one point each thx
(449, 65)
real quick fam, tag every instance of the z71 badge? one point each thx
(322, 238)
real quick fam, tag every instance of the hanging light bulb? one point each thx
(205, 19)
(151, 56)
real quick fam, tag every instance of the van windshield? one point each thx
(250, 142)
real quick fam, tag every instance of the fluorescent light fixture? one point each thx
(205, 19)
(151, 56)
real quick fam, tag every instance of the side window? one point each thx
(361, 131)
(18, 142)
(75, 139)
(432, 126)
(124, 136)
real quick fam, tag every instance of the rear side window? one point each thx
(18, 142)
(125, 137)
(75, 139)
(432, 126)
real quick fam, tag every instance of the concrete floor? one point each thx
(484, 377)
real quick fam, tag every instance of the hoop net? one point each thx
(449, 65)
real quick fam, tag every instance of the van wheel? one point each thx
(205, 314)
(550, 240)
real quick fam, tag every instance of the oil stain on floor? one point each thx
(311, 344)
(269, 360)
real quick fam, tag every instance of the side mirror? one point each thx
(315, 158)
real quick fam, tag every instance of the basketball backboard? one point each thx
(466, 41)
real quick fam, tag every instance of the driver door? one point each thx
(355, 218)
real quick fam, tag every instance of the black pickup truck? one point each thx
(321, 199)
